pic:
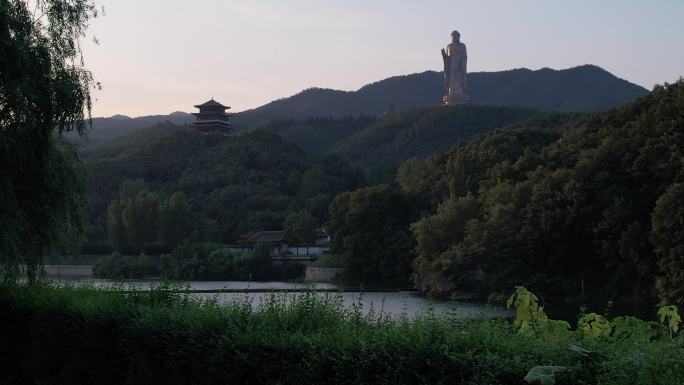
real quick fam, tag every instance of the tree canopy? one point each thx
(44, 93)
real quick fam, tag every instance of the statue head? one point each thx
(455, 37)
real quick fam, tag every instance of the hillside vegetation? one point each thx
(58, 336)
(232, 185)
(254, 181)
(583, 212)
(579, 89)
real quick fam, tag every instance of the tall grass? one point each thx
(84, 335)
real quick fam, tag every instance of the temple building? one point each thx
(212, 118)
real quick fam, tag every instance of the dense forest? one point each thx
(151, 196)
(568, 204)
(571, 211)
(379, 145)
(253, 181)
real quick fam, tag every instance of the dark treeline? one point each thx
(570, 211)
(568, 204)
(582, 88)
(208, 188)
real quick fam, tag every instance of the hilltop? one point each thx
(579, 89)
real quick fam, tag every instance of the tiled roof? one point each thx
(211, 103)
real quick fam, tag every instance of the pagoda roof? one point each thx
(211, 103)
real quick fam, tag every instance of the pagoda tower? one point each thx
(212, 118)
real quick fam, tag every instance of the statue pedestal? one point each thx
(456, 99)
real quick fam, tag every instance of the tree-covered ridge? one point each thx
(319, 135)
(419, 133)
(580, 89)
(568, 212)
(232, 184)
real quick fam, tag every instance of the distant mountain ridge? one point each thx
(106, 129)
(580, 89)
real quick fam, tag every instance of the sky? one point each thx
(160, 56)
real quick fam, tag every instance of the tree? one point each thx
(174, 220)
(370, 228)
(301, 227)
(116, 229)
(140, 218)
(668, 238)
(44, 92)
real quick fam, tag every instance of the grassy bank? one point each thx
(79, 335)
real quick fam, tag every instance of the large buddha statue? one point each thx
(455, 62)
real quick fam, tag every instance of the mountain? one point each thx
(234, 184)
(597, 206)
(578, 89)
(105, 129)
(131, 141)
(379, 145)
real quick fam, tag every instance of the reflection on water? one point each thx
(394, 304)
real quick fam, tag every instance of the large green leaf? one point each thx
(544, 375)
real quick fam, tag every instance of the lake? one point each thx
(394, 303)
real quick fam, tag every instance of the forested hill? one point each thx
(379, 145)
(225, 186)
(591, 211)
(106, 129)
(583, 88)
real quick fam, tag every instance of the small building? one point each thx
(212, 118)
(281, 250)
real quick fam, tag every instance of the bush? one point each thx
(78, 335)
(328, 260)
(127, 267)
(199, 261)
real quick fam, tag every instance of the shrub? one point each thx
(80, 335)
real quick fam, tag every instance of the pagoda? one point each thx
(212, 118)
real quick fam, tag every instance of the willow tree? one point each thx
(44, 93)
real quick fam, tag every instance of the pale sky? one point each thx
(160, 56)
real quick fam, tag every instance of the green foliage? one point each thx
(381, 147)
(229, 185)
(301, 227)
(193, 260)
(671, 314)
(370, 232)
(528, 313)
(118, 266)
(543, 375)
(58, 336)
(594, 325)
(667, 235)
(140, 222)
(552, 205)
(582, 88)
(318, 135)
(175, 217)
(328, 260)
(633, 329)
(44, 93)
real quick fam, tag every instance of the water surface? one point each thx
(393, 303)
